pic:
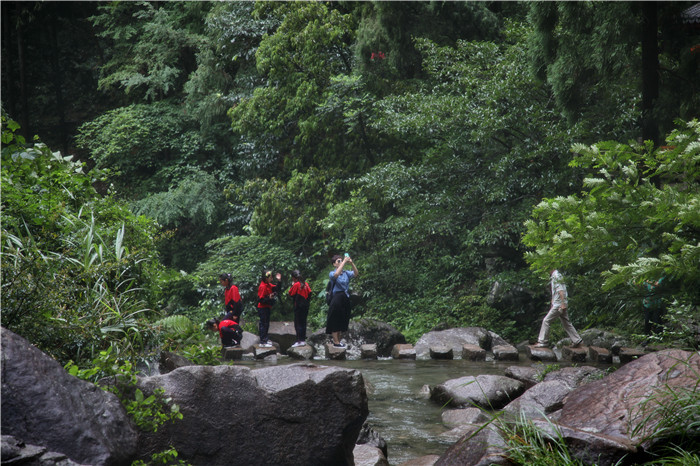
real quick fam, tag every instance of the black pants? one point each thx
(231, 336)
(301, 313)
(264, 324)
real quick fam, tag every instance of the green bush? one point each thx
(79, 269)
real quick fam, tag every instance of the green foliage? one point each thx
(119, 377)
(310, 46)
(287, 211)
(168, 457)
(389, 27)
(175, 325)
(77, 268)
(637, 219)
(528, 445)
(590, 54)
(152, 45)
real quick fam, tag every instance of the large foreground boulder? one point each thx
(623, 405)
(282, 415)
(43, 405)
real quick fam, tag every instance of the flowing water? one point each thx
(400, 410)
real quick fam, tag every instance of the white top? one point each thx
(557, 283)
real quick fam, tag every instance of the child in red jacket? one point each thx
(232, 298)
(267, 292)
(300, 291)
(229, 331)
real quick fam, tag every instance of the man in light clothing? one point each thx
(558, 309)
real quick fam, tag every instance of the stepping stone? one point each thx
(335, 353)
(599, 355)
(505, 353)
(540, 354)
(368, 351)
(630, 354)
(403, 351)
(301, 352)
(261, 353)
(473, 352)
(574, 354)
(232, 353)
(441, 352)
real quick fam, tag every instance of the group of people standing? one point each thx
(271, 288)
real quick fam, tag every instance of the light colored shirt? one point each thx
(557, 284)
(342, 283)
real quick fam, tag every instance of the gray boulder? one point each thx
(483, 391)
(458, 417)
(43, 405)
(612, 406)
(575, 376)
(454, 338)
(369, 436)
(540, 400)
(282, 415)
(17, 452)
(367, 455)
(529, 375)
(548, 396)
(282, 333)
(170, 361)
(485, 448)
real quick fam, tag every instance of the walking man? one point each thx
(558, 309)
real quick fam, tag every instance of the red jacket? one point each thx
(264, 291)
(231, 298)
(226, 323)
(298, 289)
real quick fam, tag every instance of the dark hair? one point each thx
(225, 276)
(213, 323)
(335, 258)
(297, 274)
(266, 273)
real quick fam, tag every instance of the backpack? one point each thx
(329, 291)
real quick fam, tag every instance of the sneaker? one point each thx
(297, 344)
(339, 345)
(541, 345)
(267, 344)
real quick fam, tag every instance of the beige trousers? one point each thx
(554, 312)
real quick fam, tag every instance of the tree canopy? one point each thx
(430, 140)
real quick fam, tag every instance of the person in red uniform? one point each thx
(267, 292)
(229, 331)
(300, 291)
(233, 306)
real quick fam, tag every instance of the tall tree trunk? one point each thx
(650, 71)
(24, 120)
(58, 89)
(7, 64)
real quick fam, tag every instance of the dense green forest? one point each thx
(457, 150)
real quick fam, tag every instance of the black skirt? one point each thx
(338, 313)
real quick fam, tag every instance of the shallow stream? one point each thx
(400, 411)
